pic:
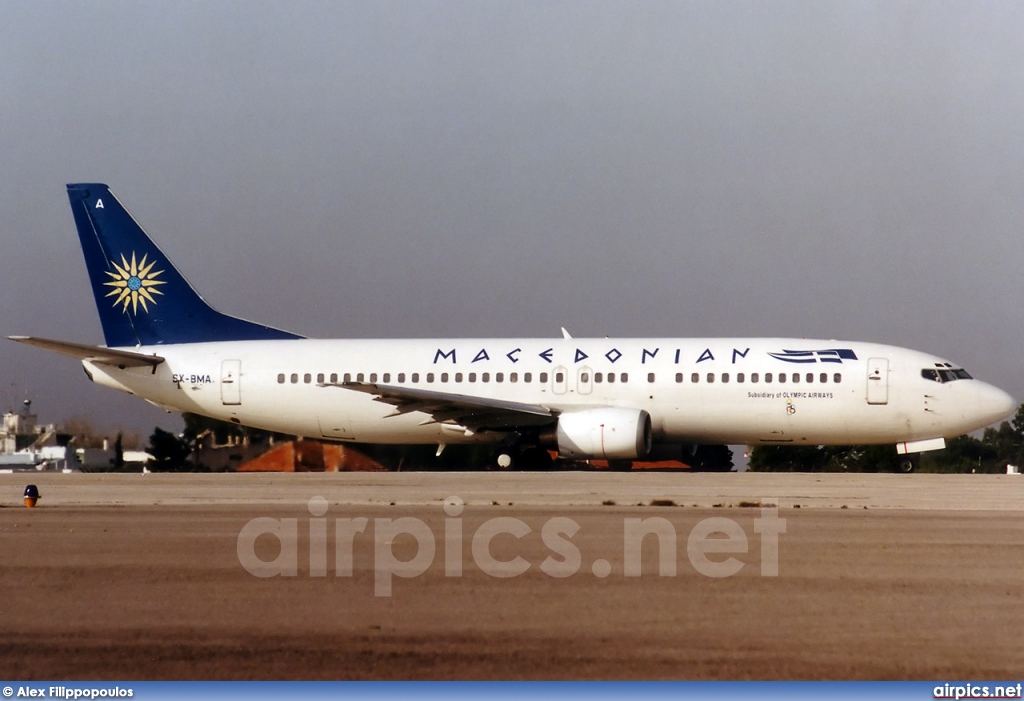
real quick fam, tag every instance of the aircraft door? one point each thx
(560, 380)
(878, 381)
(230, 382)
(584, 380)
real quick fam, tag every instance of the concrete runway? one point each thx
(155, 576)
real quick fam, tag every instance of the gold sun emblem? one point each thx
(134, 284)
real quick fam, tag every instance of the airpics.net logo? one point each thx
(711, 545)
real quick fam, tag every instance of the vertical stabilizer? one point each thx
(141, 298)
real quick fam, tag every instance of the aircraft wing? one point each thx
(96, 354)
(475, 413)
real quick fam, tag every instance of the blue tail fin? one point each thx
(142, 299)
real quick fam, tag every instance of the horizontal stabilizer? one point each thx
(96, 354)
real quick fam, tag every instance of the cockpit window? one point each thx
(945, 373)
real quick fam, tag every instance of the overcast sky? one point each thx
(849, 170)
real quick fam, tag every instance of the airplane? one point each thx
(611, 399)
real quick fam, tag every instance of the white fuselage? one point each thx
(734, 391)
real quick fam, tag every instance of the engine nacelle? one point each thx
(616, 433)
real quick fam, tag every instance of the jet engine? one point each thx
(613, 433)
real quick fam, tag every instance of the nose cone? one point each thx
(994, 404)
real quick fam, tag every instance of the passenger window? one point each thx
(624, 377)
(782, 377)
(334, 378)
(485, 377)
(810, 377)
(430, 377)
(513, 377)
(559, 377)
(401, 377)
(458, 377)
(711, 377)
(796, 377)
(650, 377)
(472, 377)
(280, 378)
(359, 377)
(837, 378)
(597, 377)
(444, 377)
(295, 378)
(679, 377)
(611, 377)
(543, 378)
(387, 377)
(823, 378)
(307, 378)
(527, 377)
(499, 377)
(695, 378)
(415, 377)
(754, 377)
(320, 378)
(348, 377)
(768, 377)
(584, 377)
(373, 377)
(740, 377)
(725, 377)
